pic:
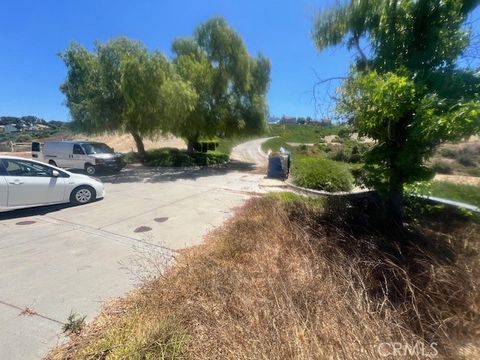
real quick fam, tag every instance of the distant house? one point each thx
(2, 129)
(10, 128)
(288, 120)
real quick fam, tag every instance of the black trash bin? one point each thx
(278, 165)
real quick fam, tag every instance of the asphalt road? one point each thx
(59, 260)
(250, 152)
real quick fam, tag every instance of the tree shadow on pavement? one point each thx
(35, 211)
(138, 173)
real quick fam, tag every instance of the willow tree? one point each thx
(122, 87)
(406, 90)
(230, 85)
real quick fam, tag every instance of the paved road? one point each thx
(251, 152)
(57, 260)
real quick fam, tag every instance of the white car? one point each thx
(28, 183)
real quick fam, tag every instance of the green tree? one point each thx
(230, 85)
(406, 91)
(120, 86)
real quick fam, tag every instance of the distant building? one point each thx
(10, 128)
(2, 129)
(288, 120)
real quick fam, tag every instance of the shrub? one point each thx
(448, 153)
(338, 155)
(302, 148)
(132, 157)
(466, 160)
(344, 133)
(441, 167)
(170, 157)
(473, 171)
(206, 145)
(321, 174)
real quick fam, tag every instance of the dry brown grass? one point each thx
(285, 279)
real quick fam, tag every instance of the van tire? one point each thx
(82, 195)
(53, 163)
(90, 169)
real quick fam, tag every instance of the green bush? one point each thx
(321, 174)
(442, 167)
(206, 145)
(170, 157)
(132, 157)
(448, 153)
(466, 160)
(338, 155)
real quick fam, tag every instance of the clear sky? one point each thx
(33, 32)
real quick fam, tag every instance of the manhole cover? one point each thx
(142, 229)
(26, 222)
(161, 219)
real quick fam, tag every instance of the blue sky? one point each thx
(33, 32)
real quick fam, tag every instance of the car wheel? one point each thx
(53, 163)
(90, 169)
(82, 195)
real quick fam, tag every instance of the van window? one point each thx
(77, 150)
(35, 146)
(97, 148)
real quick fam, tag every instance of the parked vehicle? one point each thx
(28, 183)
(82, 155)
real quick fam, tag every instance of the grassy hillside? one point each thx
(308, 134)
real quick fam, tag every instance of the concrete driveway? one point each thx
(58, 260)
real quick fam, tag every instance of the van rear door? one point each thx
(36, 150)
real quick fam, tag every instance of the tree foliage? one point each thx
(230, 85)
(120, 86)
(406, 90)
(211, 87)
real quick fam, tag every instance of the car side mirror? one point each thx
(55, 173)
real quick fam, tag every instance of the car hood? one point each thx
(83, 179)
(106, 156)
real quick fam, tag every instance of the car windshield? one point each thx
(96, 148)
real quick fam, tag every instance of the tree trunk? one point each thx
(139, 142)
(191, 143)
(395, 204)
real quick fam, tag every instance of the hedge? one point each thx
(321, 174)
(170, 157)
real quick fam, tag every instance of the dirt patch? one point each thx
(459, 179)
(125, 143)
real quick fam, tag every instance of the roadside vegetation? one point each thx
(317, 164)
(468, 194)
(458, 159)
(292, 277)
(170, 157)
(303, 133)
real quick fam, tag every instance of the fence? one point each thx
(12, 146)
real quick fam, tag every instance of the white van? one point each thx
(77, 154)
